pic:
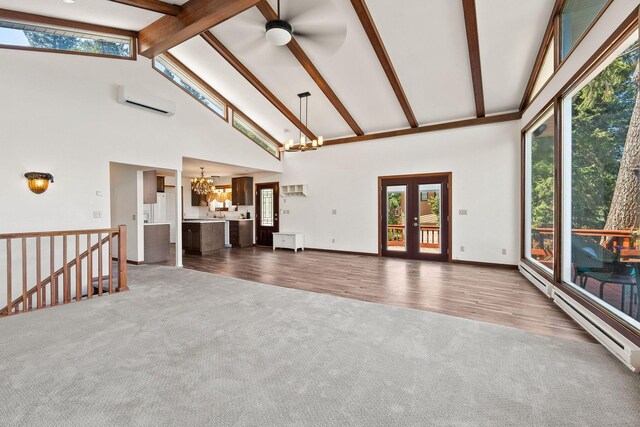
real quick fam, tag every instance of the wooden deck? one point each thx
(499, 296)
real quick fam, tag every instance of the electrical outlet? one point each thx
(98, 193)
(504, 252)
(462, 212)
(461, 248)
(133, 217)
(97, 214)
(333, 240)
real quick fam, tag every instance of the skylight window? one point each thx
(33, 36)
(251, 131)
(164, 65)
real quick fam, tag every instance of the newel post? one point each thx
(122, 258)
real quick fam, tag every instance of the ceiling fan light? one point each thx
(320, 140)
(278, 32)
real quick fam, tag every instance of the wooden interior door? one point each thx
(415, 216)
(267, 209)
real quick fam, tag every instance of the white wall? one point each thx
(58, 114)
(484, 160)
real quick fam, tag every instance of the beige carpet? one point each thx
(190, 348)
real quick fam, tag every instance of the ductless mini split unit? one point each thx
(138, 99)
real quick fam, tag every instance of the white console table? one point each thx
(289, 240)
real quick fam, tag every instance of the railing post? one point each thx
(122, 259)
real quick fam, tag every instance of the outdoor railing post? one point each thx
(122, 258)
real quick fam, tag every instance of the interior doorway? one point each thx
(267, 209)
(414, 215)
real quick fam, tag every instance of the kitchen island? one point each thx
(203, 237)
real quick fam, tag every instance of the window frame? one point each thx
(611, 318)
(258, 130)
(198, 82)
(553, 40)
(46, 21)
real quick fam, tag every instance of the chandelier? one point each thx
(304, 145)
(202, 185)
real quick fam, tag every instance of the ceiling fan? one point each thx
(318, 24)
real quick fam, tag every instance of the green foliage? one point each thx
(601, 115)
(434, 204)
(394, 208)
(75, 44)
(601, 112)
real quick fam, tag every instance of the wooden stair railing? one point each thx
(51, 282)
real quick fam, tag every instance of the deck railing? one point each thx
(542, 241)
(68, 270)
(429, 236)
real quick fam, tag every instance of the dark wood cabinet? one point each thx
(198, 199)
(149, 187)
(160, 184)
(242, 191)
(202, 238)
(240, 233)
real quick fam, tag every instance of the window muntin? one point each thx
(540, 192)
(35, 36)
(250, 131)
(576, 17)
(601, 235)
(177, 76)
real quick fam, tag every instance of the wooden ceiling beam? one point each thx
(153, 5)
(498, 118)
(195, 17)
(537, 65)
(270, 14)
(251, 78)
(383, 56)
(471, 25)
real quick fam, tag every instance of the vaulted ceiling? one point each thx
(426, 43)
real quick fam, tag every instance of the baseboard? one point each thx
(485, 264)
(335, 251)
(129, 261)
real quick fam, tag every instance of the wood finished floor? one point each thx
(493, 295)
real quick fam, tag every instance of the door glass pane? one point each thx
(540, 192)
(396, 218)
(601, 182)
(266, 207)
(429, 221)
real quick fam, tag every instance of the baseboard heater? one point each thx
(627, 352)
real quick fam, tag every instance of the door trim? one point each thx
(449, 178)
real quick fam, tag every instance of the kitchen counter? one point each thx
(203, 237)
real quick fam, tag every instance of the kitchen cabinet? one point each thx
(198, 199)
(242, 191)
(156, 243)
(240, 233)
(149, 187)
(202, 237)
(160, 184)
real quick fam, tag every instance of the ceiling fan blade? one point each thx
(327, 41)
(302, 13)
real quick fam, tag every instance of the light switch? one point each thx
(334, 212)
(463, 211)
(98, 193)
(97, 214)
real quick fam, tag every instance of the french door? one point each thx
(415, 216)
(267, 208)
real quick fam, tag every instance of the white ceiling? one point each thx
(191, 168)
(425, 39)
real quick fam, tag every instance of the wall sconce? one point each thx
(38, 181)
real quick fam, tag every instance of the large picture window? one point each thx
(601, 190)
(539, 195)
